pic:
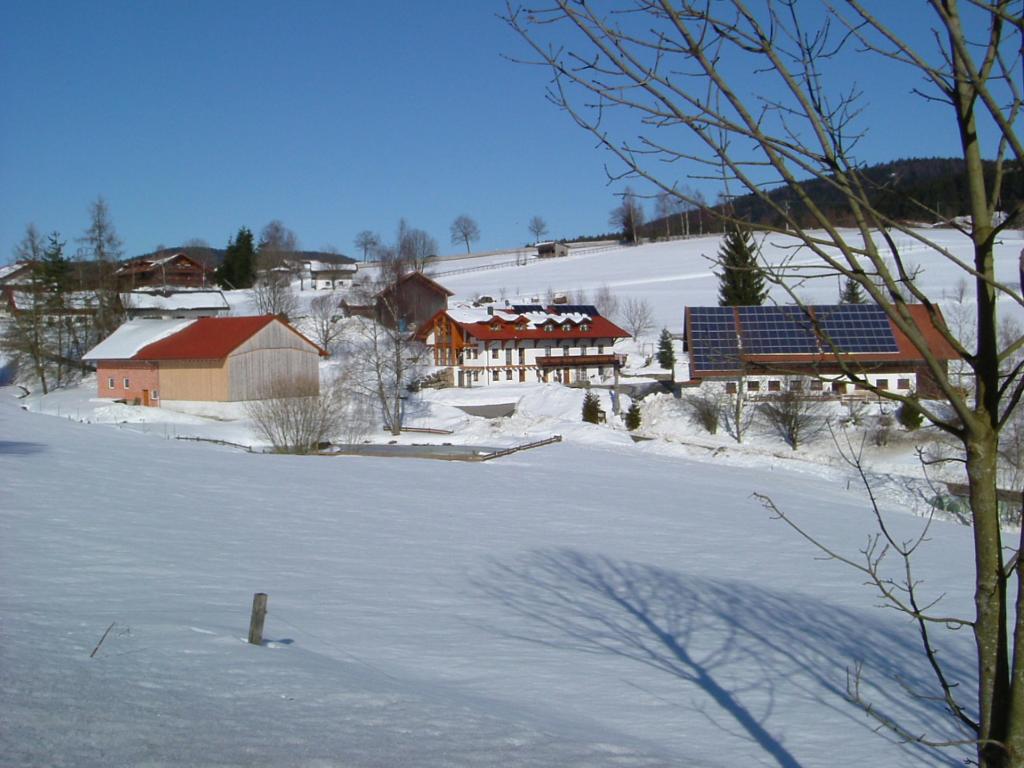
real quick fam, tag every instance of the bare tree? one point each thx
(101, 243)
(538, 228)
(607, 303)
(324, 320)
(272, 294)
(464, 230)
(278, 250)
(367, 241)
(413, 247)
(295, 420)
(797, 118)
(638, 316)
(796, 417)
(705, 407)
(628, 216)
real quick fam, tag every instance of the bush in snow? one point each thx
(633, 416)
(909, 416)
(705, 409)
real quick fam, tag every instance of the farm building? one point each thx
(525, 343)
(836, 349)
(211, 359)
(326, 275)
(176, 269)
(174, 304)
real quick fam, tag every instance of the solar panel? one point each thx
(713, 342)
(578, 309)
(776, 330)
(520, 309)
(855, 328)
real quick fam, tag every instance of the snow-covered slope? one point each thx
(563, 606)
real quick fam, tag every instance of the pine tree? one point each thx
(741, 282)
(238, 270)
(666, 355)
(633, 416)
(851, 293)
(591, 408)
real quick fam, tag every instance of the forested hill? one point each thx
(925, 190)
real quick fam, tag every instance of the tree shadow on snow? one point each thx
(16, 448)
(736, 643)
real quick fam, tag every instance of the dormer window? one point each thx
(566, 326)
(495, 326)
(549, 327)
(521, 327)
(585, 327)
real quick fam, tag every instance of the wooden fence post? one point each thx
(259, 612)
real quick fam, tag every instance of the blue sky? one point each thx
(195, 118)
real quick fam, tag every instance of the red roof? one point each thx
(210, 338)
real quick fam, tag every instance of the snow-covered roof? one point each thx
(324, 266)
(132, 336)
(10, 270)
(179, 300)
(468, 315)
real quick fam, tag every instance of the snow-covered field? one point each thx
(590, 603)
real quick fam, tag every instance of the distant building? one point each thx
(324, 275)
(815, 349)
(18, 273)
(551, 250)
(525, 343)
(209, 359)
(174, 304)
(410, 301)
(175, 270)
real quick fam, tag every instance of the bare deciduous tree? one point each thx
(413, 248)
(272, 294)
(294, 420)
(628, 216)
(538, 228)
(464, 230)
(324, 320)
(367, 241)
(796, 417)
(637, 316)
(796, 117)
(607, 303)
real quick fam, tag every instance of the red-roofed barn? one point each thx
(211, 358)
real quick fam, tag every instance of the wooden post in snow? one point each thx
(259, 612)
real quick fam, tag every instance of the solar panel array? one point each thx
(577, 309)
(714, 345)
(521, 309)
(776, 331)
(855, 328)
(716, 342)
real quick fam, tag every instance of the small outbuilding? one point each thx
(220, 359)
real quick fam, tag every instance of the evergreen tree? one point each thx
(666, 355)
(851, 293)
(741, 282)
(633, 416)
(591, 408)
(238, 270)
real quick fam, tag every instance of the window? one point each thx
(585, 327)
(753, 386)
(902, 383)
(476, 375)
(127, 382)
(494, 375)
(547, 352)
(774, 386)
(566, 326)
(816, 385)
(508, 375)
(882, 383)
(600, 349)
(494, 353)
(860, 386)
(839, 387)
(796, 385)
(495, 326)
(110, 383)
(549, 327)
(156, 394)
(730, 387)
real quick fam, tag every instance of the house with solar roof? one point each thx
(220, 359)
(822, 349)
(523, 344)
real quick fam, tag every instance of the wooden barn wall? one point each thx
(194, 380)
(272, 357)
